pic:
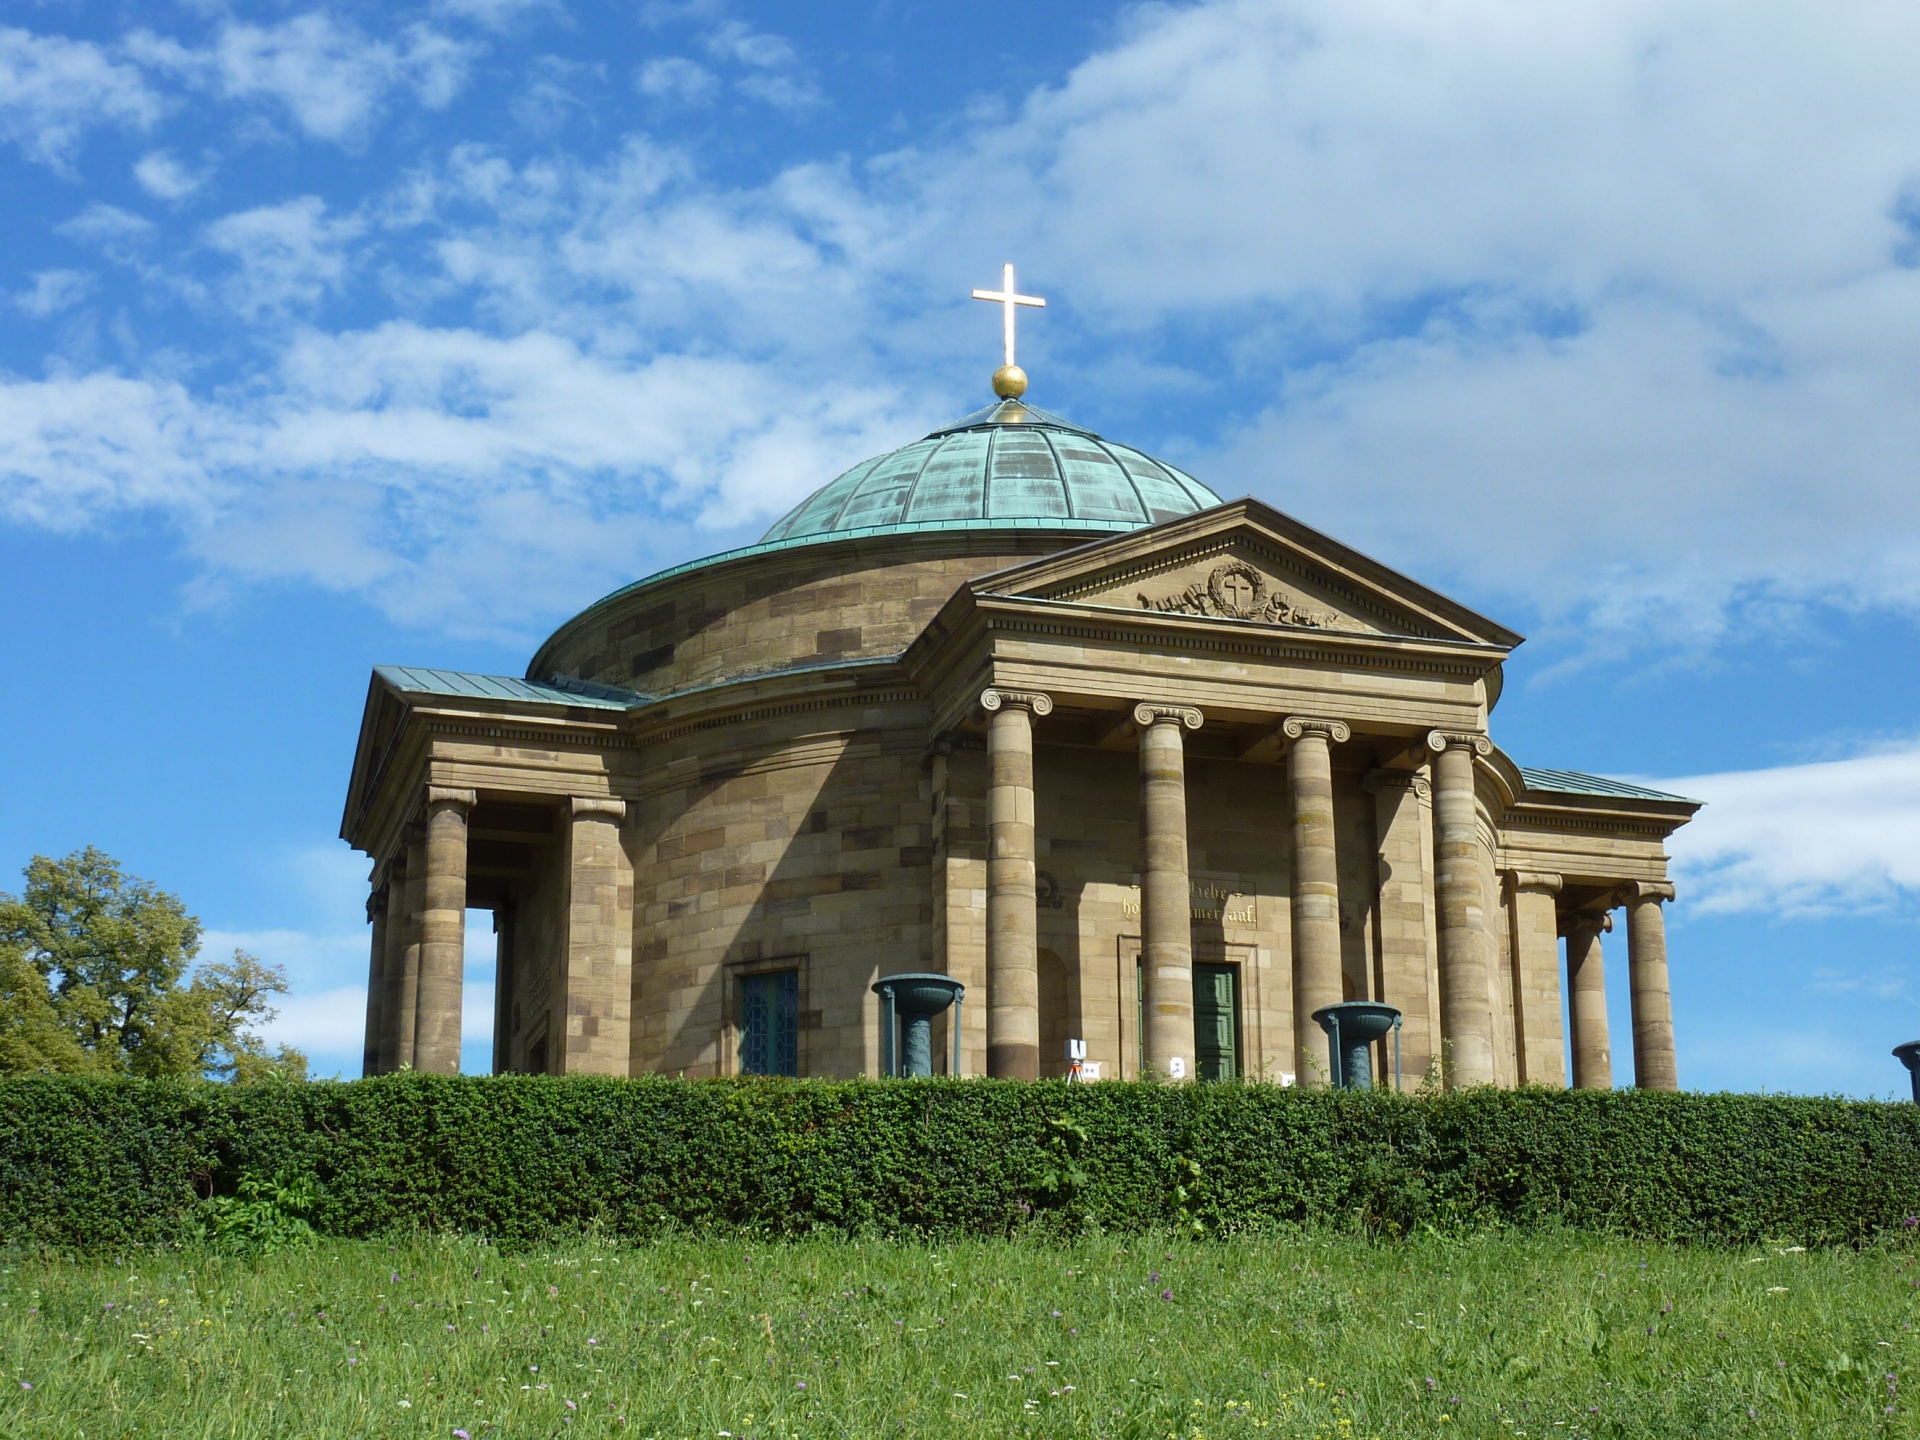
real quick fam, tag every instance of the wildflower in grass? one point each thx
(1431, 1385)
(799, 1384)
(461, 1435)
(1055, 1314)
(571, 1406)
(1166, 1294)
(26, 1384)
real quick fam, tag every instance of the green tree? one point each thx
(202, 1028)
(32, 1037)
(110, 955)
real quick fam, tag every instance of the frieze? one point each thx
(1236, 590)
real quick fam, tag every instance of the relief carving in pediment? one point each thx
(1230, 589)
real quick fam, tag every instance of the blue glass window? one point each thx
(770, 1023)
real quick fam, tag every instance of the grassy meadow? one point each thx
(1328, 1336)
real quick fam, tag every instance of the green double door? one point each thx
(1216, 1020)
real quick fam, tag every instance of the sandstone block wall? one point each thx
(853, 600)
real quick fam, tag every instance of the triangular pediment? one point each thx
(1247, 562)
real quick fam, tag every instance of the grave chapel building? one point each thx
(1019, 704)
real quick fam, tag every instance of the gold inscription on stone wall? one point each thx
(1237, 591)
(1206, 901)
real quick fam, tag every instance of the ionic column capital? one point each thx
(377, 903)
(604, 806)
(993, 698)
(1146, 714)
(445, 795)
(1473, 744)
(1377, 780)
(1600, 920)
(1644, 890)
(1336, 731)
(1535, 882)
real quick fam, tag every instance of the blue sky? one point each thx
(358, 334)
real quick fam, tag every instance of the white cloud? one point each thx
(783, 92)
(497, 14)
(462, 480)
(325, 1023)
(54, 291)
(164, 177)
(677, 79)
(1607, 307)
(289, 255)
(1837, 836)
(331, 77)
(740, 42)
(52, 90)
(117, 233)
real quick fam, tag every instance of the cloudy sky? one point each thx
(396, 333)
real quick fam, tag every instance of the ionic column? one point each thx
(1402, 871)
(1013, 979)
(1316, 887)
(1587, 1001)
(376, 981)
(1539, 1046)
(1166, 928)
(443, 933)
(599, 940)
(1466, 1014)
(1653, 1063)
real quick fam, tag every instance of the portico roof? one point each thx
(1574, 782)
(412, 680)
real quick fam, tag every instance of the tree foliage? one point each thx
(94, 978)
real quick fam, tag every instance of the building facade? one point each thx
(1021, 705)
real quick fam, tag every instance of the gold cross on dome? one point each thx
(1007, 298)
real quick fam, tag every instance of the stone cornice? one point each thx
(526, 735)
(993, 698)
(1146, 714)
(1466, 658)
(1605, 824)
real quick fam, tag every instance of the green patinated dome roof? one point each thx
(1011, 464)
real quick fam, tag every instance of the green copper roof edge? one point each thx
(575, 693)
(1578, 782)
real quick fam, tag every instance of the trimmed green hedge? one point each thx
(92, 1164)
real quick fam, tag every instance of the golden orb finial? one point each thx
(1009, 382)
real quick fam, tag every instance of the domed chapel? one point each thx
(1141, 767)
